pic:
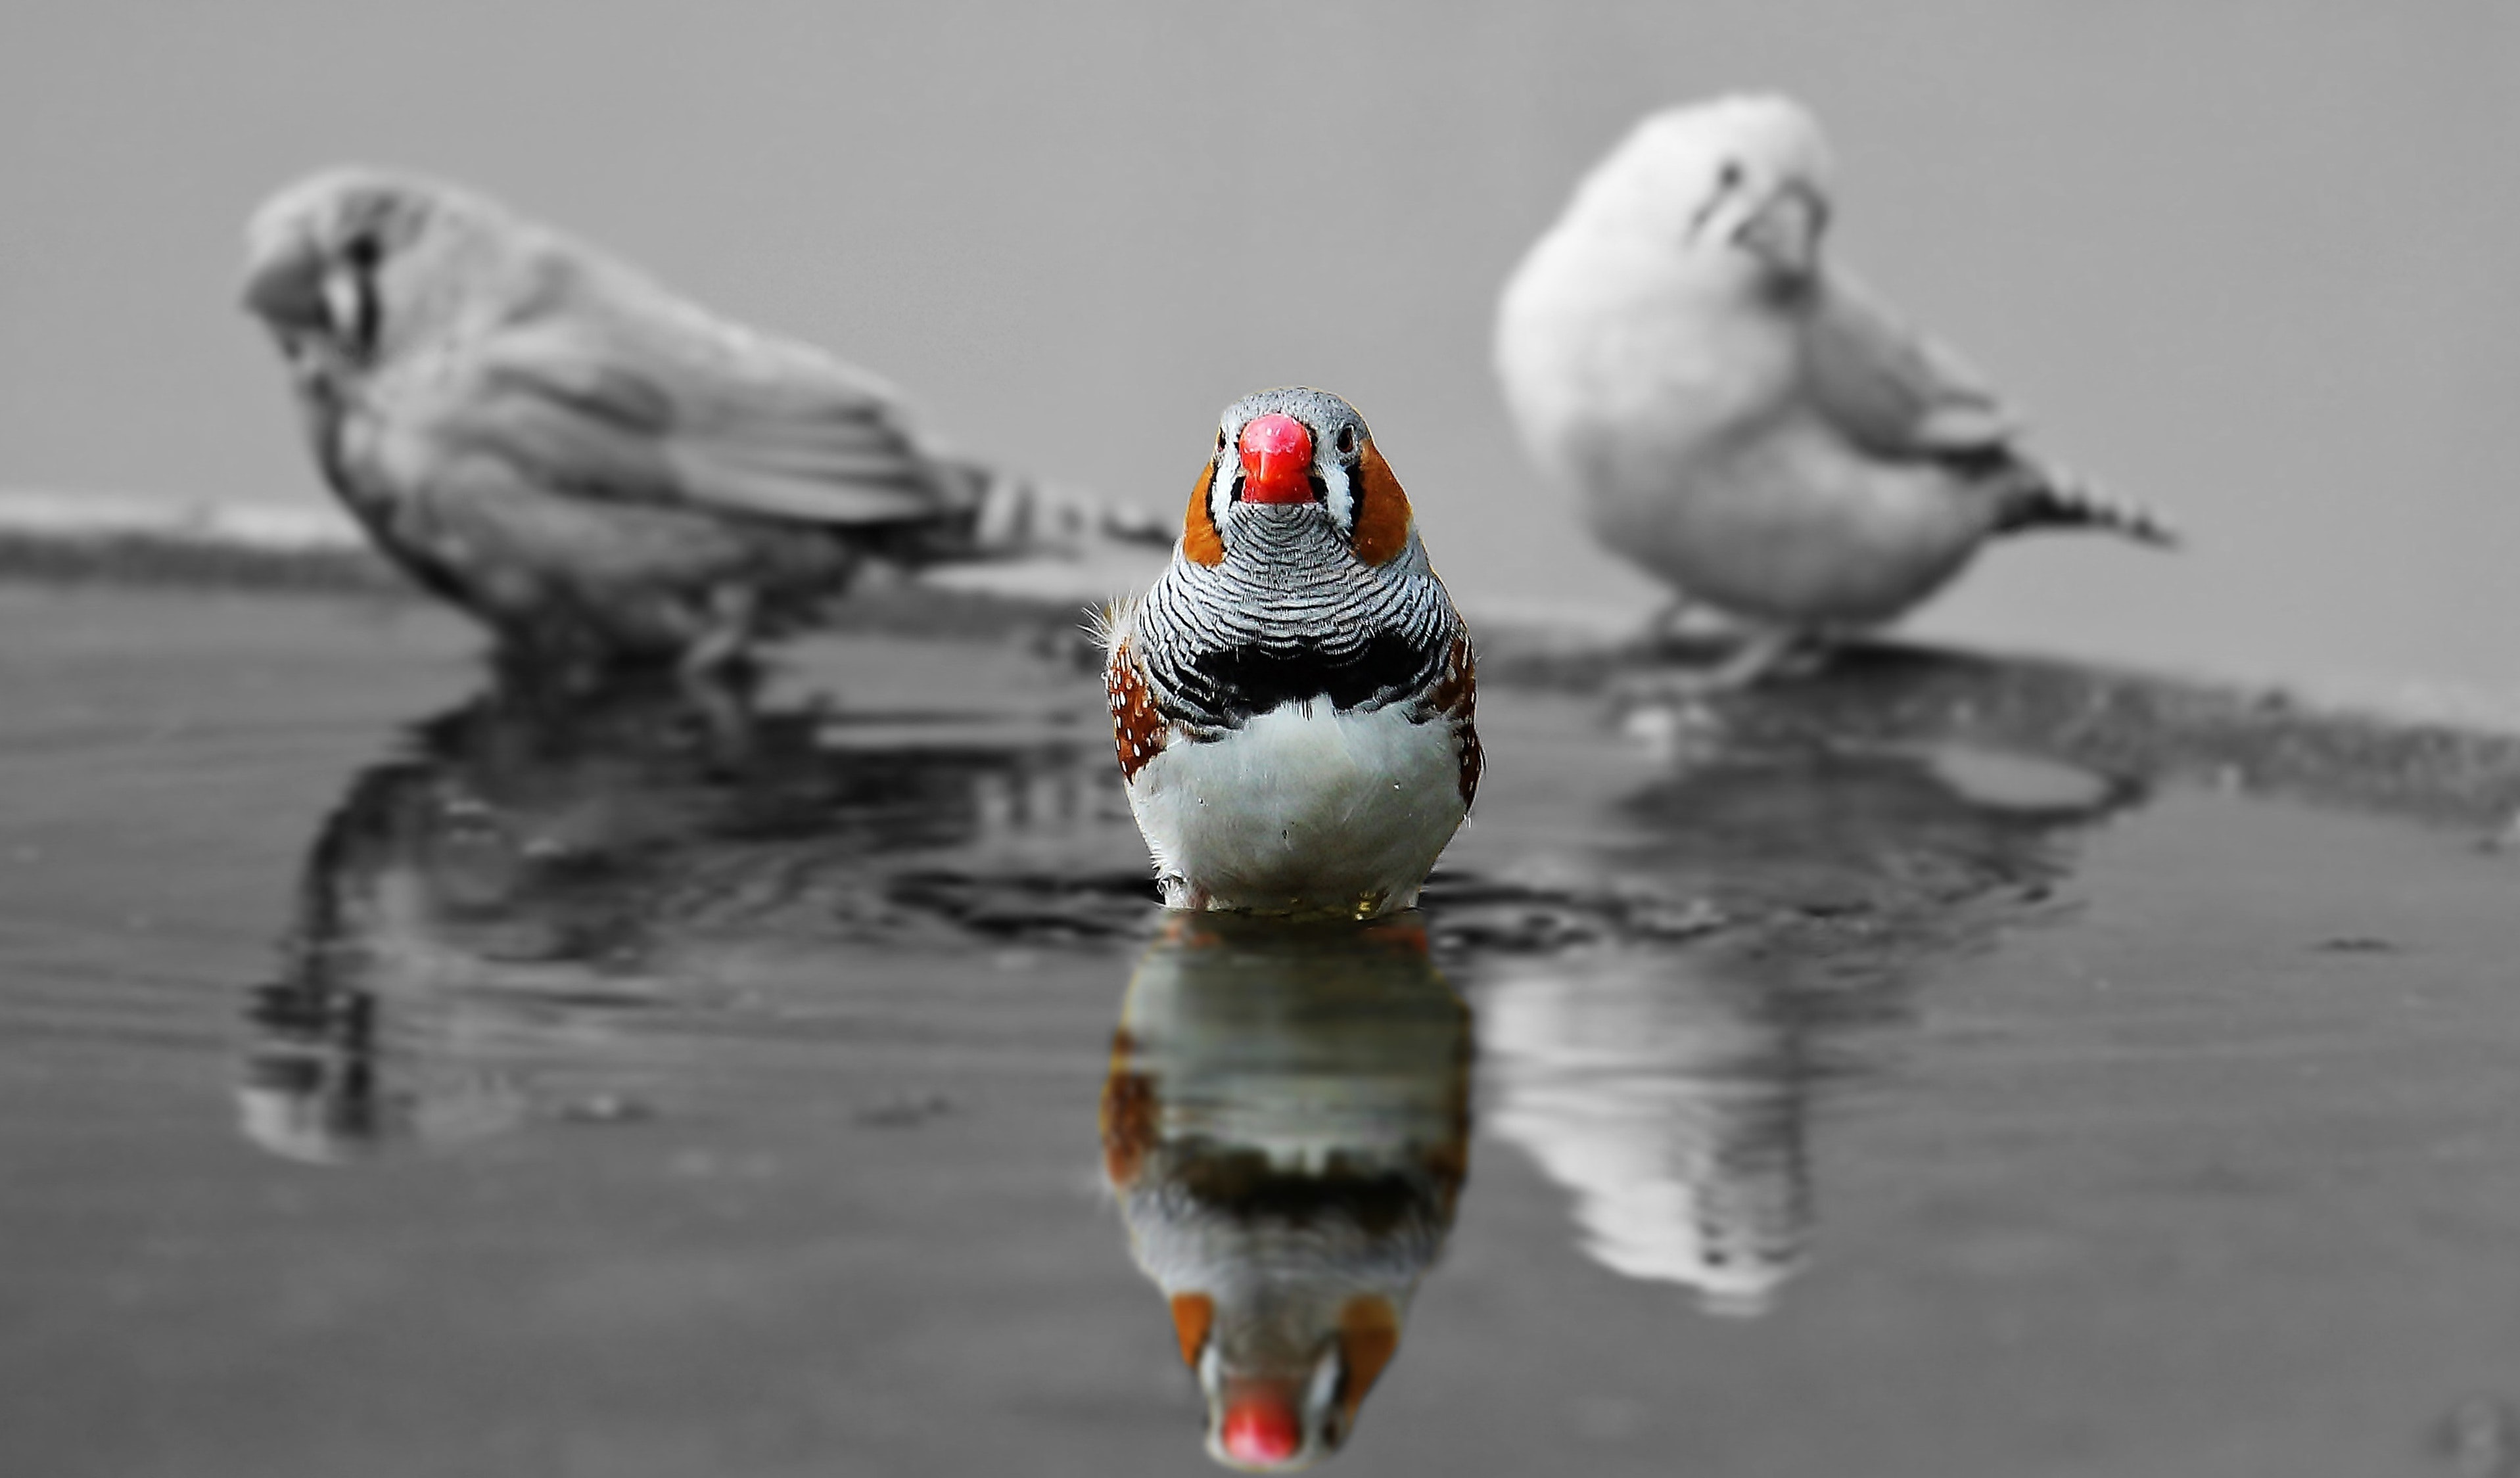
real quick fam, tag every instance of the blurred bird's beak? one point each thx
(1280, 1421)
(1784, 230)
(1261, 1424)
(284, 287)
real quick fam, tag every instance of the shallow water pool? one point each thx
(406, 1076)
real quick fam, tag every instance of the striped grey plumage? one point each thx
(1290, 588)
(1181, 1240)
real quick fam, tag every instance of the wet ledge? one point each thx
(2402, 757)
(2141, 727)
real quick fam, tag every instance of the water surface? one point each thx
(406, 1077)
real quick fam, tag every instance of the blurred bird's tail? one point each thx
(2058, 497)
(1016, 517)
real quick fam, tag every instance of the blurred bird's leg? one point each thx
(544, 673)
(1811, 653)
(1763, 653)
(1664, 631)
(1768, 652)
(716, 676)
(721, 696)
(727, 637)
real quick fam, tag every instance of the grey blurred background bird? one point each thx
(600, 470)
(1737, 415)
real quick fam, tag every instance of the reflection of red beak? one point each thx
(1263, 1424)
(1277, 460)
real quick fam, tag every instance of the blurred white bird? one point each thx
(1737, 415)
(596, 469)
(1671, 1100)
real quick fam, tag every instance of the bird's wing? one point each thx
(1893, 392)
(671, 406)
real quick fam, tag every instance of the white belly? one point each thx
(1795, 526)
(1669, 402)
(1302, 810)
(1611, 359)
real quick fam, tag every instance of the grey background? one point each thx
(2250, 261)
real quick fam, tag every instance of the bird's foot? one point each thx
(1801, 654)
(1669, 629)
(1685, 631)
(1672, 709)
(1759, 657)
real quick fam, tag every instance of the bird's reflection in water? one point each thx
(1663, 1073)
(1670, 1105)
(531, 865)
(1286, 1129)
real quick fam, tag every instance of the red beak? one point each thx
(1277, 460)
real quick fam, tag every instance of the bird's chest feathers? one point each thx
(1255, 635)
(369, 460)
(1341, 674)
(393, 460)
(1643, 354)
(1302, 800)
(394, 417)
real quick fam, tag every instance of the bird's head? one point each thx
(1738, 182)
(1276, 1404)
(352, 261)
(1291, 463)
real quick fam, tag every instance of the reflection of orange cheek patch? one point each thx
(1403, 936)
(1381, 511)
(1192, 1316)
(1199, 542)
(1369, 1336)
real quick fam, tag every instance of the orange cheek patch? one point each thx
(1199, 542)
(1381, 511)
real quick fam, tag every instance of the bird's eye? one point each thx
(1730, 177)
(1346, 441)
(1220, 438)
(363, 250)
